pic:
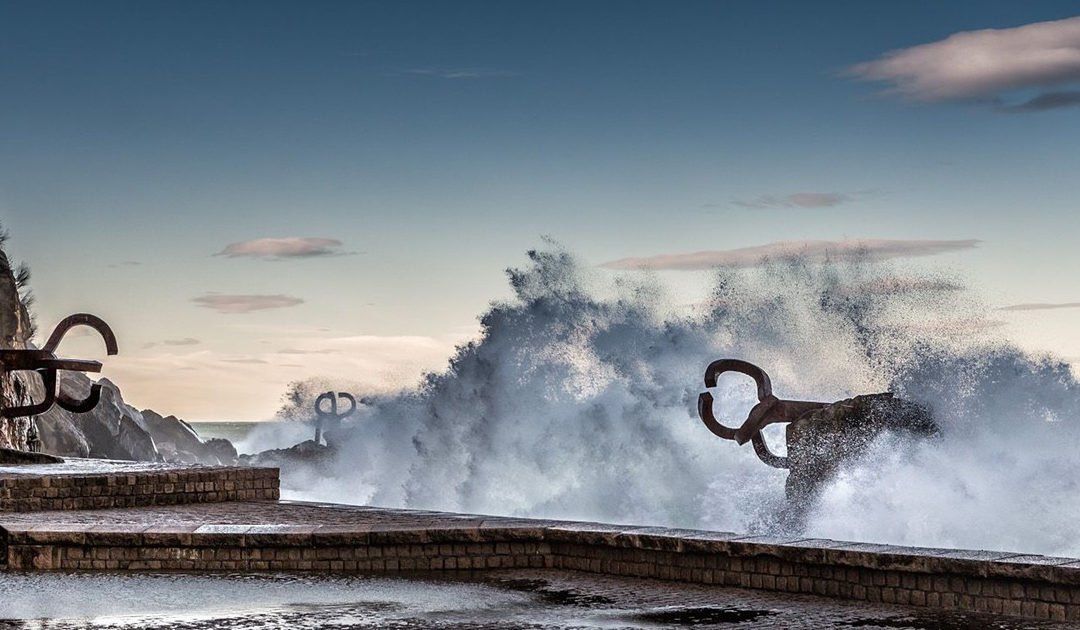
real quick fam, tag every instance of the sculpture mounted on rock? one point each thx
(820, 436)
(332, 413)
(48, 365)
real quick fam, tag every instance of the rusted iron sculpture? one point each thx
(769, 409)
(331, 413)
(47, 364)
(820, 437)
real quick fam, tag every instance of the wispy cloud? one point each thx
(795, 200)
(459, 73)
(185, 341)
(1037, 306)
(125, 263)
(1043, 102)
(281, 248)
(985, 66)
(814, 251)
(236, 304)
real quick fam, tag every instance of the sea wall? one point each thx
(293, 536)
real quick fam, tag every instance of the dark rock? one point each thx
(223, 450)
(309, 454)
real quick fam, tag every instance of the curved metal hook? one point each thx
(718, 367)
(47, 364)
(333, 412)
(768, 410)
(761, 449)
(758, 415)
(80, 406)
(92, 321)
(82, 319)
(48, 377)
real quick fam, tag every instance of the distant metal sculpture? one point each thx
(47, 364)
(332, 412)
(769, 409)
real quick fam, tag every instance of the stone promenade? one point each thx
(217, 533)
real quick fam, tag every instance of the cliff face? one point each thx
(112, 430)
(15, 329)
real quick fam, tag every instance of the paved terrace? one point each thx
(203, 519)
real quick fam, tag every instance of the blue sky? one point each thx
(438, 141)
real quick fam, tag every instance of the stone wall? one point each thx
(27, 493)
(328, 538)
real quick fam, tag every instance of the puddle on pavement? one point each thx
(101, 601)
(124, 601)
(680, 616)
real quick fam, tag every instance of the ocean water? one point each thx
(235, 432)
(578, 401)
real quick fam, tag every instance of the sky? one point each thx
(255, 193)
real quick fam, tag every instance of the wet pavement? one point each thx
(509, 599)
(84, 466)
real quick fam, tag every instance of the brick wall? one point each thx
(1009, 584)
(82, 491)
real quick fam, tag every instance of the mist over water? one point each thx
(578, 401)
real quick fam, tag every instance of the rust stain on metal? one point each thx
(47, 364)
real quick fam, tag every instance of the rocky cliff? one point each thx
(113, 429)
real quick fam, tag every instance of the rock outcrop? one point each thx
(308, 454)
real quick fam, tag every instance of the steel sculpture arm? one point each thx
(47, 364)
(768, 410)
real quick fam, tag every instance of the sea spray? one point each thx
(577, 401)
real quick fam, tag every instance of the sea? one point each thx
(232, 431)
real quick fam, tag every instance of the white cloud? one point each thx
(236, 304)
(796, 200)
(1040, 306)
(984, 65)
(814, 251)
(278, 248)
(185, 341)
